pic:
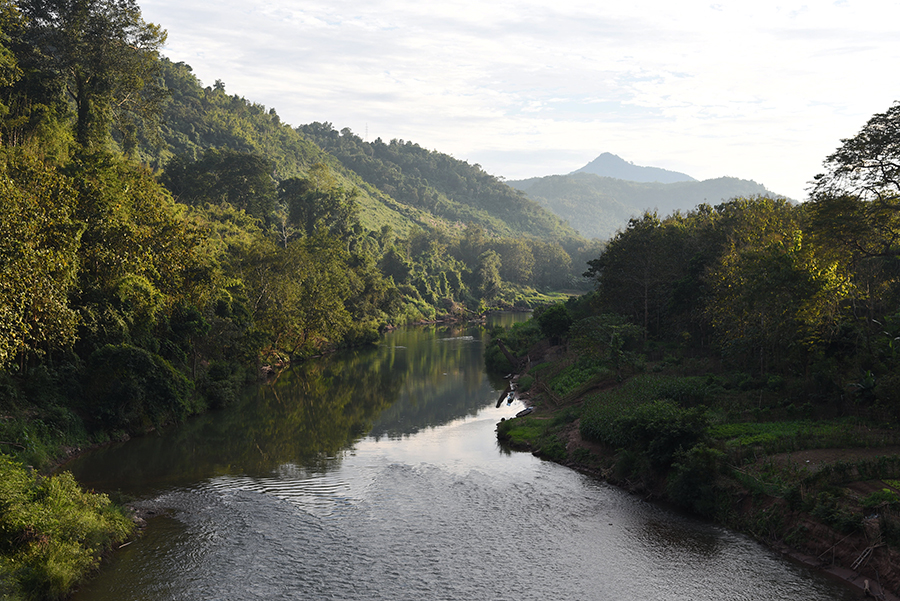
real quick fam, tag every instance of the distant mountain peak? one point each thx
(610, 165)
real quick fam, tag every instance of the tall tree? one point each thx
(106, 58)
(868, 164)
(241, 179)
(638, 268)
(318, 201)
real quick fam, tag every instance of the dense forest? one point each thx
(161, 239)
(741, 360)
(163, 243)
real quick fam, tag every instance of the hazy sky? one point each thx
(753, 89)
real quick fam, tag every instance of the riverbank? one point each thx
(832, 509)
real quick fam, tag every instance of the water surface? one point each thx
(376, 475)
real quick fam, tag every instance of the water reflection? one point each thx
(283, 497)
(311, 414)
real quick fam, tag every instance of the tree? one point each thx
(552, 264)
(771, 294)
(39, 243)
(9, 67)
(854, 217)
(318, 201)
(638, 268)
(487, 275)
(516, 260)
(554, 321)
(867, 165)
(241, 179)
(604, 338)
(106, 58)
(300, 293)
(855, 203)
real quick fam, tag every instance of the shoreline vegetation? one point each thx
(161, 241)
(822, 492)
(741, 361)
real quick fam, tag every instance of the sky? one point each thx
(759, 90)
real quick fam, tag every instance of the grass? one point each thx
(540, 435)
(577, 375)
(52, 533)
(784, 436)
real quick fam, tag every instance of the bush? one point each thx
(880, 497)
(658, 429)
(495, 361)
(578, 374)
(554, 321)
(130, 388)
(644, 415)
(525, 383)
(692, 481)
(51, 532)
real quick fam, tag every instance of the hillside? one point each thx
(400, 184)
(196, 119)
(450, 189)
(610, 165)
(599, 206)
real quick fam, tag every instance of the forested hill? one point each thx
(196, 119)
(399, 184)
(602, 205)
(433, 181)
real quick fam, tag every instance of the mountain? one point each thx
(610, 165)
(449, 189)
(599, 206)
(399, 183)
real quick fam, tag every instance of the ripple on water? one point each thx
(428, 532)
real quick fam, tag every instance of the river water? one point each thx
(376, 474)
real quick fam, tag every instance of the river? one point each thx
(376, 474)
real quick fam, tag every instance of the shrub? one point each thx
(525, 383)
(692, 481)
(880, 497)
(131, 388)
(659, 429)
(51, 532)
(577, 374)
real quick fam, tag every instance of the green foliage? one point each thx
(103, 56)
(131, 389)
(658, 429)
(240, 179)
(525, 383)
(487, 279)
(692, 480)
(39, 242)
(646, 414)
(538, 435)
(576, 375)
(495, 361)
(52, 534)
(446, 187)
(777, 437)
(520, 431)
(865, 165)
(554, 321)
(607, 338)
(318, 202)
(832, 512)
(881, 497)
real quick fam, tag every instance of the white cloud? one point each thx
(762, 91)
